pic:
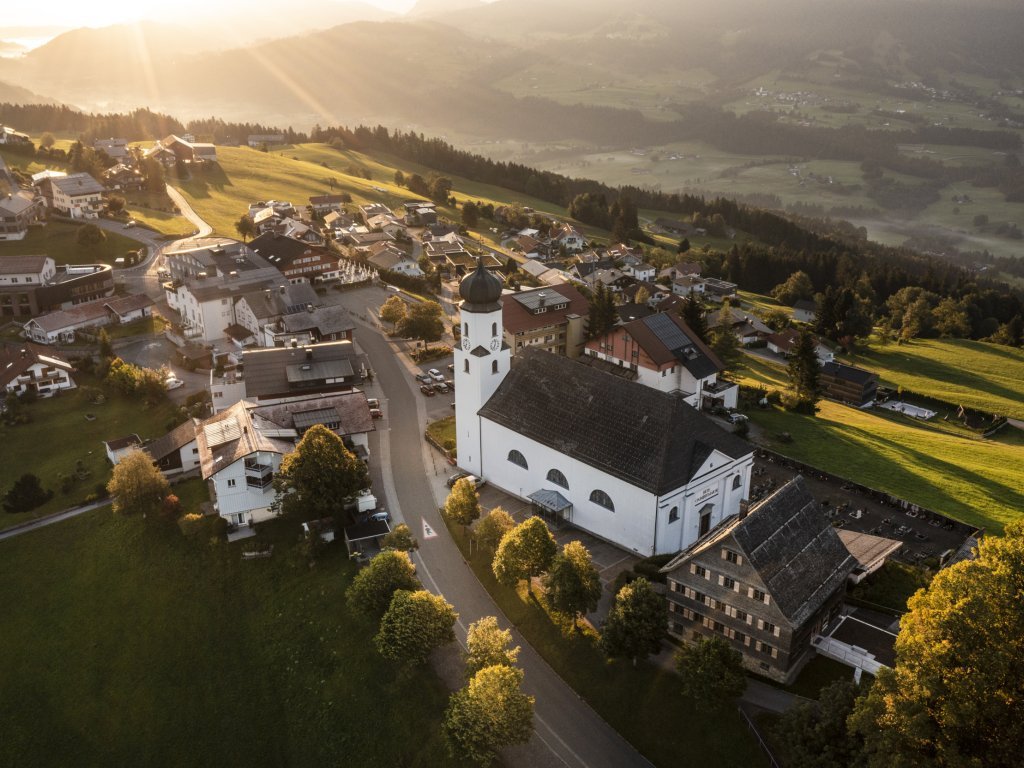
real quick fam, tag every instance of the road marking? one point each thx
(428, 532)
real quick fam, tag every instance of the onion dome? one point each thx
(480, 290)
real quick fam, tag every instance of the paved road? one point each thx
(56, 517)
(568, 732)
(202, 228)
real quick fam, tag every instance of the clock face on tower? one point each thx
(465, 343)
(495, 343)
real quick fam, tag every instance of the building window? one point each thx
(727, 582)
(465, 366)
(494, 366)
(705, 519)
(673, 514)
(737, 482)
(602, 499)
(231, 482)
(518, 459)
(556, 477)
(699, 570)
(732, 557)
(494, 329)
(465, 329)
(760, 596)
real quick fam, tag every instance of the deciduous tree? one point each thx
(463, 503)
(414, 625)
(373, 587)
(318, 475)
(953, 697)
(470, 214)
(400, 539)
(494, 525)
(524, 552)
(424, 321)
(488, 645)
(572, 582)
(393, 311)
(816, 735)
(491, 712)
(797, 286)
(726, 346)
(136, 485)
(711, 671)
(636, 623)
(245, 227)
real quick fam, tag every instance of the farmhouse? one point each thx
(18, 211)
(28, 368)
(848, 384)
(768, 581)
(177, 451)
(78, 196)
(59, 327)
(784, 342)
(637, 467)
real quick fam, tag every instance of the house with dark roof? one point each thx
(18, 211)
(769, 581)
(324, 204)
(177, 451)
(784, 342)
(660, 351)
(805, 311)
(29, 368)
(748, 328)
(120, 447)
(632, 465)
(298, 260)
(78, 196)
(848, 384)
(553, 318)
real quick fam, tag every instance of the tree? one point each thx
(136, 485)
(711, 672)
(90, 234)
(463, 503)
(726, 346)
(491, 712)
(951, 319)
(440, 189)
(487, 645)
(524, 552)
(953, 697)
(424, 321)
(797, 286)
(106, 348)
(400, 539)
(642, 295)
(318, 475)
(47, 140)
(373, 587)
(684, 245)
(399, 178)
(115, 203)
(154, 173)
(493, 527)
(470, 214)
(572, 582)
(636, 623)
(414, 625)
(26, 494)
(603, 314)
(393, 311)
(245, 227)
(816, 736)
(692, 312)
(804, 371)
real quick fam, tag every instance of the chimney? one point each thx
(309, 308)
(309, 353)
(744, 508)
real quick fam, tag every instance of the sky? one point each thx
(101, 13)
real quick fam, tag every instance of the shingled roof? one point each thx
(651, 439)
(795, 550)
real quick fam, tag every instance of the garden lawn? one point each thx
(989, 377)
(126, 644)
(442, 430)
(58, 240)
(59, 436)
(980, 482)
(643, 703)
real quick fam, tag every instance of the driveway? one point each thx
(567, 731)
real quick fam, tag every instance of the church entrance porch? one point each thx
(553, 507)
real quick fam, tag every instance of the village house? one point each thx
(552, 318)
(174, 149)
(297, 260)
(684, 285)
(768, 581)
(120, 447)
(640, 271)
(680, 269)
(259, 307)
(321, 205)
(355, 244)
(60, 327)
(18, 211)
(30, 285)
(784, 342)
(259, 140)
(719, 290)
(77, 196)
(369, 210)
(673, 227)
(848, 384)
(392, 258)
(747, 328)
(661, 352)
(281, 374)
(28, 368)
(11, 137)
(634, 466)
(805, 311)
(419, 213)
(123, 178)
(177, 451)
(568, 237)
(115, 149)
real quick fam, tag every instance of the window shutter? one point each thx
(724, 553)
(693, 567)
(707, 574)
(736, 587)
(778, 631)
(750, 620)
(739, 559)
(750, 592)
(721, 580)
(760, 624)
(767, 598)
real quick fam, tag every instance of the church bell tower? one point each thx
(482, 360)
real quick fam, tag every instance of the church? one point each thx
(632, 465)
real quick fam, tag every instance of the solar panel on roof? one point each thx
(668, 332)
(306, 419)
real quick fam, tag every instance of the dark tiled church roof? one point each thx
(648, 438)
(795, 550)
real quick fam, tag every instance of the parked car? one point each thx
(427, 390)
(423, 378)
(435, 374)
(450, 383)
(381, 516)
(130, 224)
(453, 479)
(373, 402)
(441, 387)
(376, 413)
(736, 418)
(173, 382)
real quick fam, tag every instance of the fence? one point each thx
(761, 742)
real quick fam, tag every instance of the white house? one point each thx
(59, 327)
(643, 271)
(392, 258)
(78, 196)
(630, 464)
(18, 211)
(805, 311)
(120, 447)
(28, 368)
(684, 285)
(783, 343)
(26, 270)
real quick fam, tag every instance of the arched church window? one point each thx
(518, 459)
(602, 499)
(556, 477)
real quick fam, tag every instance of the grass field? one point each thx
(59, 436)
(126, 644)
(643, 703)
(58, 240)
(989, 377)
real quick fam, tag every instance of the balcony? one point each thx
(258, 475)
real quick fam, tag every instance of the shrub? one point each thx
(191, 525)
